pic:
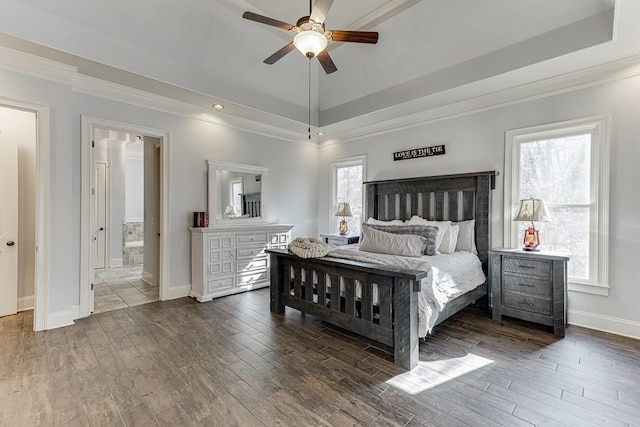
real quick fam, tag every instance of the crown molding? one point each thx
(36, 66)
(356, 128)
(115, 92)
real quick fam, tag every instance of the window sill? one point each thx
(585, 288)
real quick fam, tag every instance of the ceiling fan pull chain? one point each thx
(309, 128)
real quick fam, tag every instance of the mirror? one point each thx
(236, 192)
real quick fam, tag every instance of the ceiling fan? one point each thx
(311, 38)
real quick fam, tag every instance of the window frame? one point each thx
(232, 200)
(342, 163)
(599, 128)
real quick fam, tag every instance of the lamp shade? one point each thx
(344, 209)
(230, 210)
(532, 210)
(310, 42)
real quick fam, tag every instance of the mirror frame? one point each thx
(214, 205)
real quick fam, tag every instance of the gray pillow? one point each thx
(381, 242)
(427, 231)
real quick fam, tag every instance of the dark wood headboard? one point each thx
(446, 197)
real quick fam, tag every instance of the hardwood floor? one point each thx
(231, 362)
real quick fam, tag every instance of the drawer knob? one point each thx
(526, 284)
(525, 266)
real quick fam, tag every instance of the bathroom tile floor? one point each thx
(121, 287)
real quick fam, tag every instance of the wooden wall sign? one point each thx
(435, 150)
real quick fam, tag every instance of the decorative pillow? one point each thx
(444, 228)
(467, 236)
(381, 242)
(428, 232)
(373, 221)
(450, 240)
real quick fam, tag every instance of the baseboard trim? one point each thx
(26, 303)
(60, 319)
(148, 278)
(613, 325)
(116, 262)
(178, 292)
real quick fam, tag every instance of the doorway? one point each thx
(125, 266)
(21, 147)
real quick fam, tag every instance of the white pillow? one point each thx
(444, 230)
(392, 222)
(450, 240)
(467, 236)
(381, 242)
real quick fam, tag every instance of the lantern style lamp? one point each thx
(532, 210)
(344, 210)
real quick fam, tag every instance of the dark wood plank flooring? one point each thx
(231, 362)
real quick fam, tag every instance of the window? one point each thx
(347, 177)
(236, 188)
(566, 165)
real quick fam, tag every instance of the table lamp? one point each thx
(344, 210)
(532, 210)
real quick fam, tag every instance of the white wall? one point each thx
(134, 181)
(292, 170)
(476, 143)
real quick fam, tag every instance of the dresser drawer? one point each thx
(249, 252)
(218, 284)
(252, 279)
(251, 265)
(528, 285)
(530, 267)
(527, 302)
(251, 239)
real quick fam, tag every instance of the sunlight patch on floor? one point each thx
(428, 375)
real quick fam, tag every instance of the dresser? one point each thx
(335, 239)
(227, 259)
(530, 286)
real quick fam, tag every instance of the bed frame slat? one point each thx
(322, 288)
(366, 302)
(308, 284)
(335, 292)
(349, 296)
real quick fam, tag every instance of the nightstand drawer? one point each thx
(530, 267)
(527, 285)
(529, 303)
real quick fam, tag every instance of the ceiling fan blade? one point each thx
(279, 54)
(326, 62)
(320, 10)
(354, 36)
(266, 20)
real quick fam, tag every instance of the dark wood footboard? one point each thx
(375, 301)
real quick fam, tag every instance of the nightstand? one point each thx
(529, 286)
(335, 239)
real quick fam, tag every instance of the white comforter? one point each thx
(449, 276)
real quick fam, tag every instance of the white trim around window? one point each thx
(350, 161)
(599, 128)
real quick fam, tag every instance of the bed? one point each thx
(377, 301)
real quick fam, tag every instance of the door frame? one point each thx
(43, 136)
(88, 125)
(107, 214)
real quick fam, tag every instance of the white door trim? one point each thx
(43, 136)
(88, 125)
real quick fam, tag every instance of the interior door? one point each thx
(99, 195)
(8, 220)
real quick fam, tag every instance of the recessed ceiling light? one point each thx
(320, 133)
(218, 106)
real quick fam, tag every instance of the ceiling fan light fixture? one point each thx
(310, 43)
